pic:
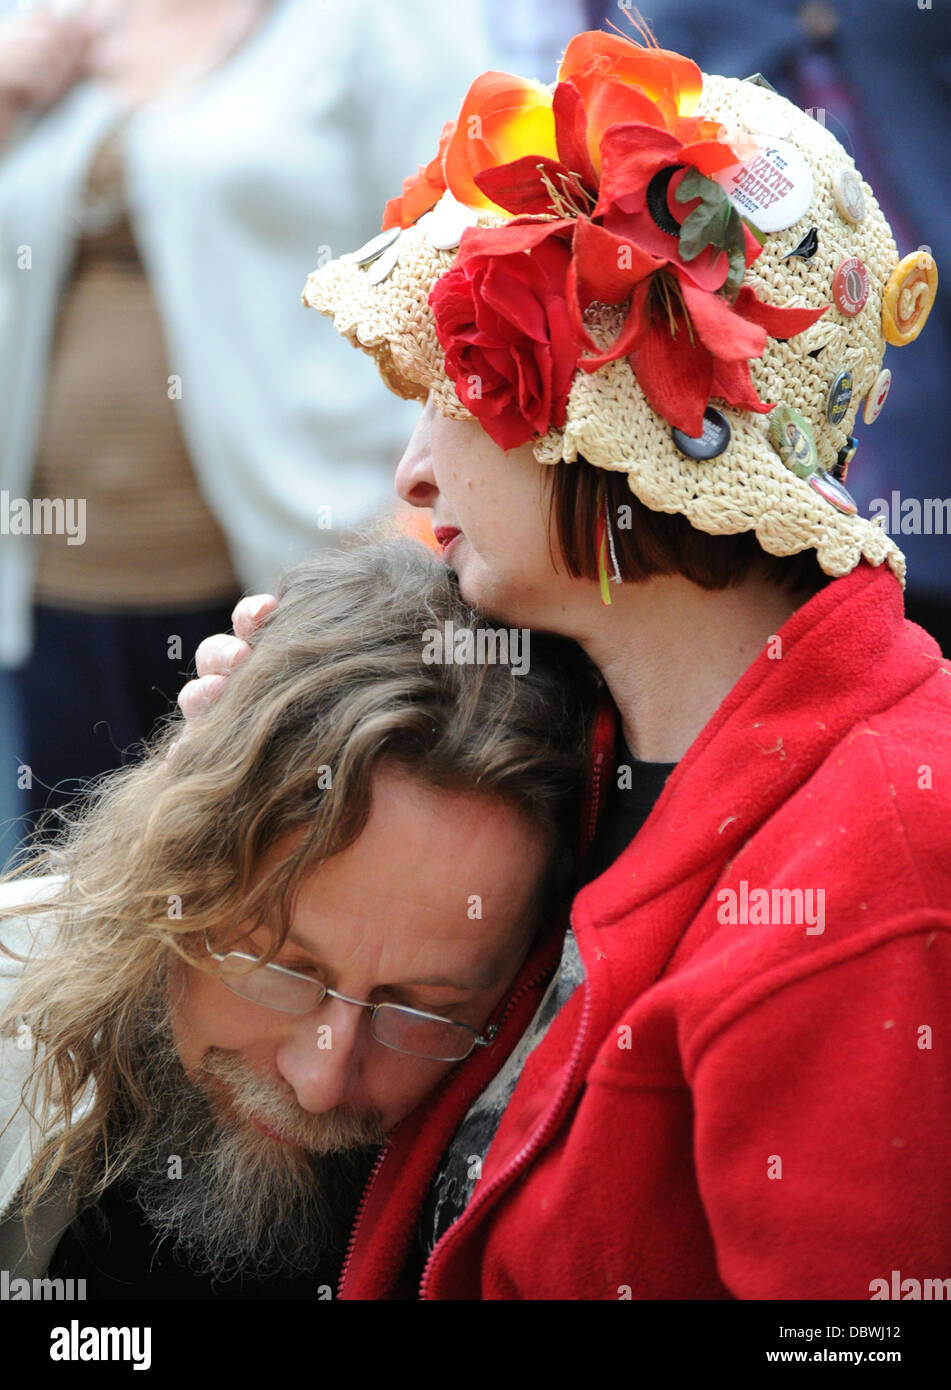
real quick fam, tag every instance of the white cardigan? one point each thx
(237, 186)
(18, 1136)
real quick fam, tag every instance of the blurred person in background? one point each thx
(166, 170)
(879, 77)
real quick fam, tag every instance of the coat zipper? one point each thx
(359, 1212)
(604, 733)
(524, 1154)
(595, 798)
(381, 1157)
(602, 749)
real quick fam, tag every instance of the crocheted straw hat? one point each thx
(622, 342)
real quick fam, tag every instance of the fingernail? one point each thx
(231, 649)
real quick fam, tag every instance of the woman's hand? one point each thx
(41, 55)
(218, 656)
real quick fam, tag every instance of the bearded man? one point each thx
(249, 957)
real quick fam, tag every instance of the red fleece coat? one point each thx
(749, 1097)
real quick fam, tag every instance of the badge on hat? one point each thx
(848, 194)
(831, 490)
(710, 442)
(444, 225)
(774, 188)
(807, 248)
(840, 469)
(877, 397)
(380, 254)
(375, 247)
(839, 396)
(908, 298)
(790, 434)
(850, 287)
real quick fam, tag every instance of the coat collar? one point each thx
(844, 656)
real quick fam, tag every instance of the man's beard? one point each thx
(244, 1203)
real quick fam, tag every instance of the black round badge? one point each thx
(712, 439)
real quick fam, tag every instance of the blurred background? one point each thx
(171, 170)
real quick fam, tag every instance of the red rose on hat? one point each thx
(502, 320)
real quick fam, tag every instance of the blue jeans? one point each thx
(94, 687)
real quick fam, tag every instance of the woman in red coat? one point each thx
(674, 292)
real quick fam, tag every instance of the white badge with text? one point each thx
(774, 189)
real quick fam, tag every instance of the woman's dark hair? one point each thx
(649, 542)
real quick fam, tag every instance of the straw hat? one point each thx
(623, 343)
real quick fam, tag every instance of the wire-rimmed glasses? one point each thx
(396, 1026)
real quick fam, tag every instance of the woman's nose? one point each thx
(322, 1058)
(415, 481)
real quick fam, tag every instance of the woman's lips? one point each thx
(445, 535)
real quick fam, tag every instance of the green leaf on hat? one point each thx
(713, 222)
(754, 231)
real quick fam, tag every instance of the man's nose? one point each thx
(322, 1058)
(415, 481)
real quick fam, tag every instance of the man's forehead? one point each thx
(439, 883)
(454, 944)
(448, 855)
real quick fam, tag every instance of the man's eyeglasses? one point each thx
(403, 1029)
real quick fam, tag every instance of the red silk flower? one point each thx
(604, 84)
(502, 319)
(592, 176)
(680, 365)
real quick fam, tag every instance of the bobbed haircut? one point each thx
(648, 542)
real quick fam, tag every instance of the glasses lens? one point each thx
(434, 1039)
(263, 984)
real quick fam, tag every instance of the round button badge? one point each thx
(833, 492)
(790, 434)
(908, 298)
(840, 394)
(774, 188)
(444, 224)
(711, 441)
(850, 287)
(847, 191)
(386, 262)
(377, 245)
(876, 397)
